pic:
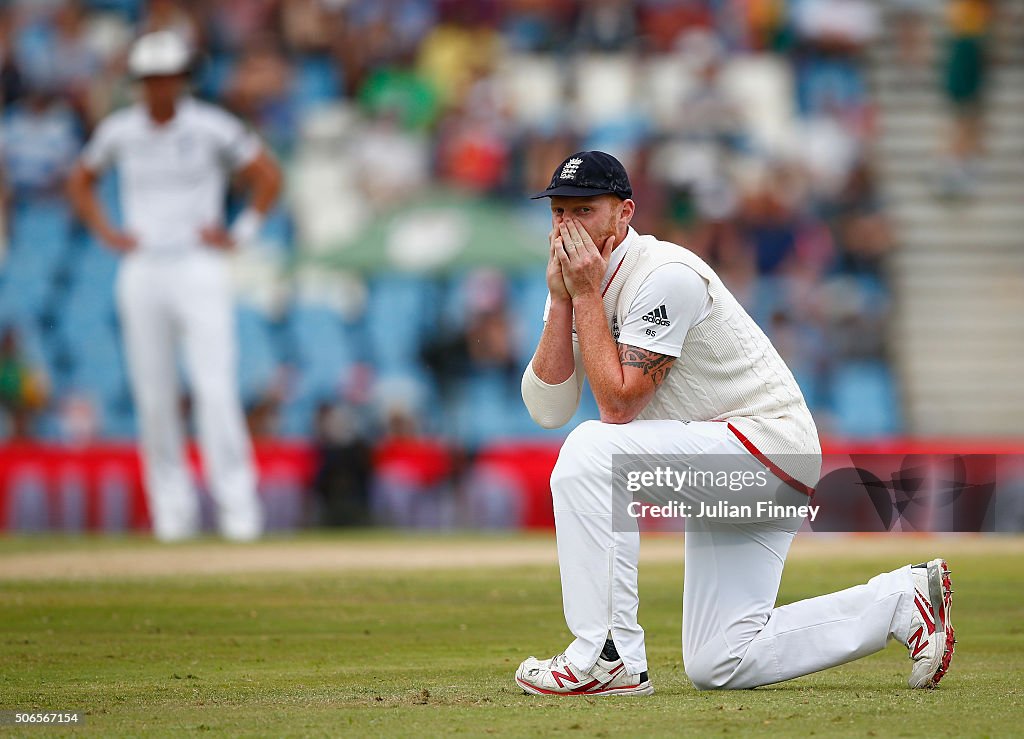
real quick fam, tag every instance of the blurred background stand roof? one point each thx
(441, 232)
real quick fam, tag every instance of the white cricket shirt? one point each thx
(173, 176)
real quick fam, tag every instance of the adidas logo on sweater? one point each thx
(658, 316)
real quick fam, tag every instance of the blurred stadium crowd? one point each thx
(745, 125)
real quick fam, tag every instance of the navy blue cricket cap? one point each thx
(588, 173)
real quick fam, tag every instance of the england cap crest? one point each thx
(589, 173)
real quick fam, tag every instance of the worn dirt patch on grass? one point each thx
(410, 553)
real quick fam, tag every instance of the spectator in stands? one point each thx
(834, 34)
(863, 233)
(664, 22)
(770, 225)
(39, 142)
(801, 344)
(406, 21)
(855, 321)
(842, 26)
(233, 23)
(536, 25)
(694, 159)
(54, 51)
(483, 344)
(760, 26)
(606, 26)
(10, 76)
(397, 87)
(344, 468)
(393, 163)
(171, 15)
(473, 142)
(24, 388)
(308, 25)
(366, 40)
(455, 51)
(263, 410)
(260, 91)
(79, 419)
(968, 23)
(912, 48)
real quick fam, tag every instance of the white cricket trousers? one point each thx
(173, 301)
(733, 635)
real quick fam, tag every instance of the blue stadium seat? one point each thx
(28, 281)
(99, 366)
(214, 74)
(810, 385)
(83, 322)
(864, 399)
(529, 294)
(96, 265)
(453, 300)
(769, 297)
(326, 349)
(480, 413)
(47, 426)
(119, 419)
(489, 407)
(413, 389)
(297, 419)
(257, 356)
(400, 313)
(277, 229)
(316, 82)
(131, 9)
(89, 299)
(40, 232)
(109, 191)
(29, 333)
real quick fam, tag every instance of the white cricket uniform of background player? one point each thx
(174, 291)
(733, 635)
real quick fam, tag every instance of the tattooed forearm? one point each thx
(654, 365)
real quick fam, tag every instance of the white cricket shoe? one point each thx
(558, 676)
(931, 637)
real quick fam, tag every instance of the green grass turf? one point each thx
(433, 653)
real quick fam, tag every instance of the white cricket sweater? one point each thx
(728, 370)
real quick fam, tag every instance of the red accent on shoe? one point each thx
(950, 645)
(919, 642)
(926, 611)
(574, 692)
(567, 675)
(620, 687)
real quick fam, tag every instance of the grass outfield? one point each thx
(427, 642)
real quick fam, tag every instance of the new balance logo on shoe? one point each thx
(658, 316)
(562, 677)
(917, 643)
(925, 610)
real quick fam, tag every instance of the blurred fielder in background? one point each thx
(174, 155)
(679, 370)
